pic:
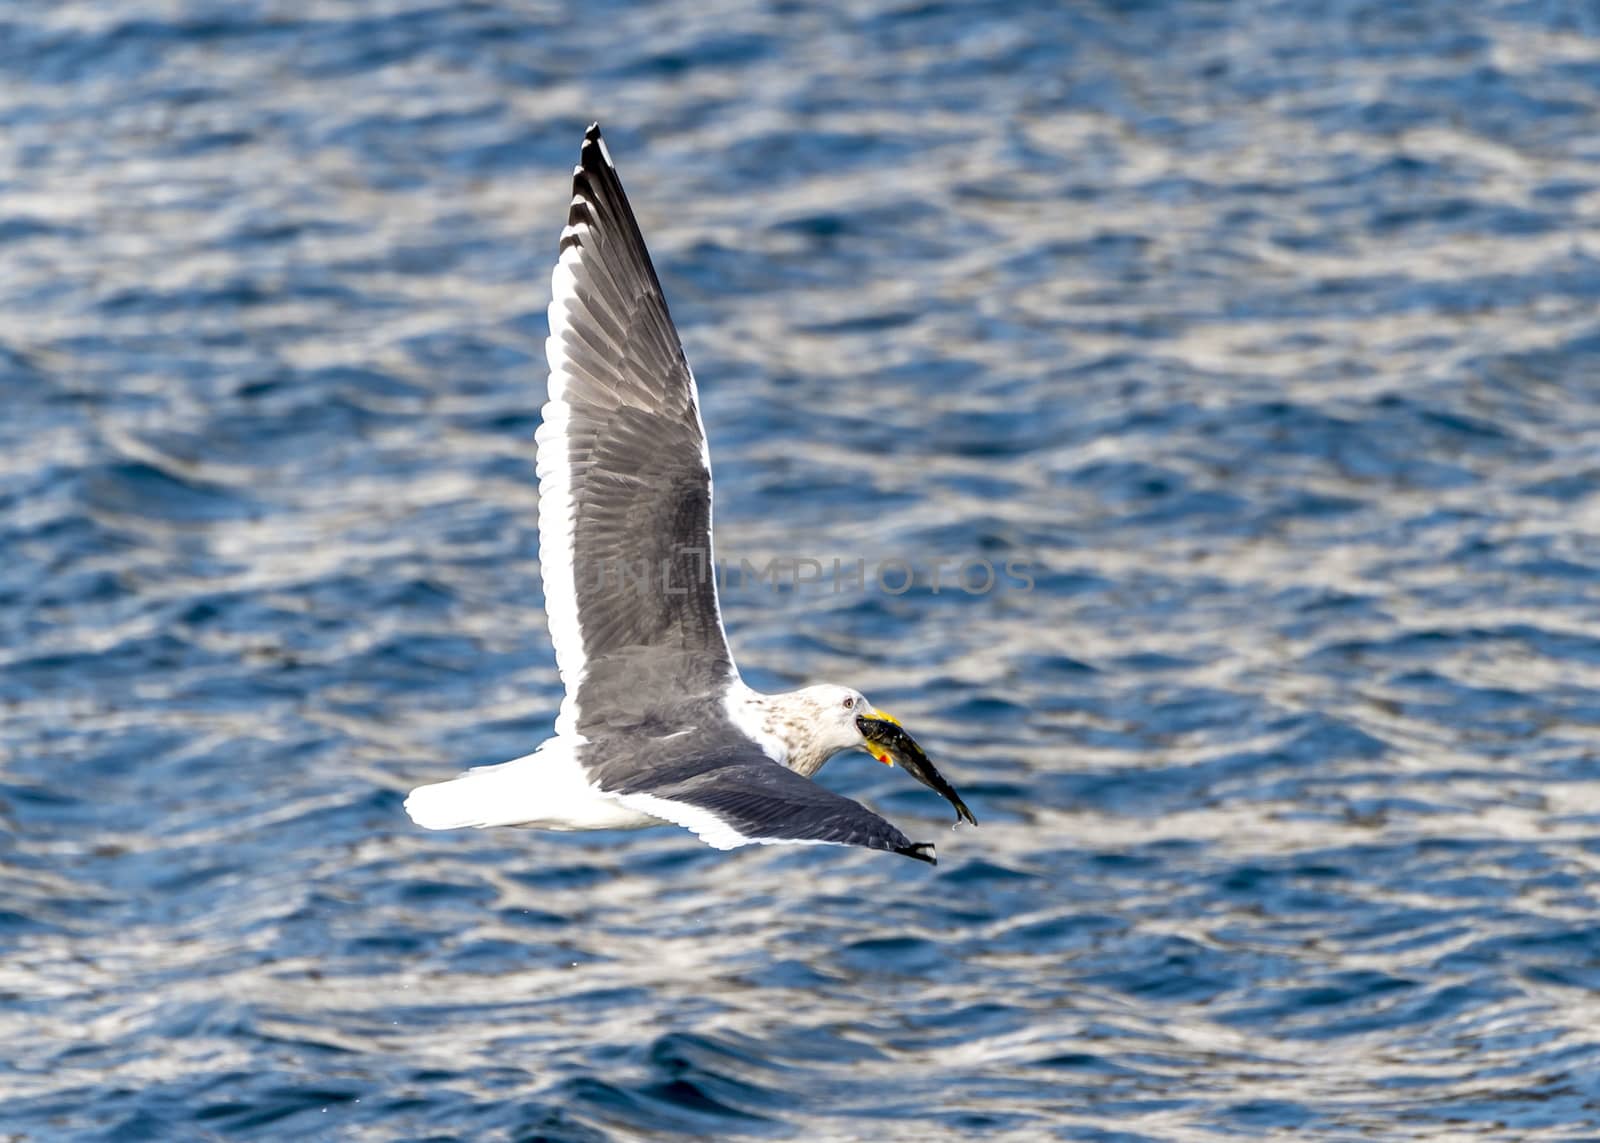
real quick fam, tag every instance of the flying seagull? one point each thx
(656, 725)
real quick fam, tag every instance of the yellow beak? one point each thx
(873, 748)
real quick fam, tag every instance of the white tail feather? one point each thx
(482, 797)
(547, 789)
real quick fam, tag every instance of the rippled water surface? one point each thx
(1264, 336)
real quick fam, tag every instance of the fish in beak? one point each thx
(888, 742)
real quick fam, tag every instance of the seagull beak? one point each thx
(887, 741)
(878, 718)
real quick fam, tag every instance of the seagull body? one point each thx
(656, 725)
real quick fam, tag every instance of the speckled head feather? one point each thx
(812, 724)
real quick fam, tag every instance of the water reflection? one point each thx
(1263, 333)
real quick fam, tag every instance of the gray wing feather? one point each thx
(763, 800)
(760, 800)
(643, 572)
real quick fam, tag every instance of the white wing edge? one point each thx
(557, 512)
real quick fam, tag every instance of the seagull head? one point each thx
(847, 720)
(830, 718)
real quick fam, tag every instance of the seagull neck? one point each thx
(755, 714)
(776, 723)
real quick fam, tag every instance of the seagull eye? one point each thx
(849, 704)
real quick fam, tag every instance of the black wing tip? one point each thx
(921, 850)
(594, 155)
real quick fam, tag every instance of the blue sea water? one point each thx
(1265, 338)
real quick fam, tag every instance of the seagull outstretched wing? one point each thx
(624, 474)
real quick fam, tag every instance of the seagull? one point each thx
(656, 726)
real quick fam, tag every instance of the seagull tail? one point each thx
(487, 796)
(548, 789)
